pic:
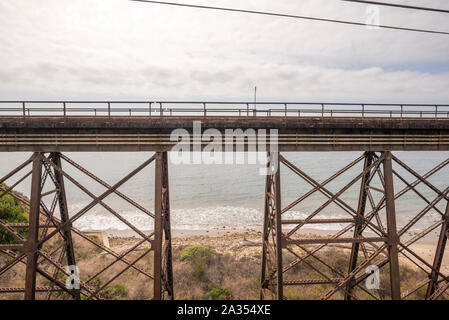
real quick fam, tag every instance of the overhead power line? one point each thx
(397, 5)
(292, 16)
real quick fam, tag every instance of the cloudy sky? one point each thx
(117, 49)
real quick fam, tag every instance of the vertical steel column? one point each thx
(31, 245)
(278, 212)
(439, 253)
(157, 245)
(163, 270)
(63, 210)
(359, 223)
(265, 234)
(272, 229)
(393, 238)
(168, 261)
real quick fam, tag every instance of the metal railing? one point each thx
(219, 108)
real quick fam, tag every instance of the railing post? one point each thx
(109, 109)
(160, 109)
(322, 110)
(63, 105)
(363, 110)
(23, 107)
(436, 111)
(204, 108)
(247, 109)
(149, 105)
(285, 107)
(402, 110)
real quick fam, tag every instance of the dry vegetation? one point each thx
(205, 267)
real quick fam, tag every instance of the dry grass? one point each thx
(230, 270)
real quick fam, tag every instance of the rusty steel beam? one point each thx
(272, 233)
(359, 226)
(393, 238)
(53, 134)
(265, 235)
(333, 240)
(63, 210)
(157, 274)
(278, 225)
(163, 271)
(439, 253)
(317, 221)
(167, 245)
(38, 289)
(31, 245)
(309, 282)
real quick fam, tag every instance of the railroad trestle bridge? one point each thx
(49, 129)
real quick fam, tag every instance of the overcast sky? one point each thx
(116, 49)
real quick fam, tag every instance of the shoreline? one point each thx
(432, 238)
(227, 241)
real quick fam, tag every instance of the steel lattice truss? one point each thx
(369, 232)
(45, 230)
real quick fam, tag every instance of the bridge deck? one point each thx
(140, 133)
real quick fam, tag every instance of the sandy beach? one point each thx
(229, 241)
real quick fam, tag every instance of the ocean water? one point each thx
(228, 197)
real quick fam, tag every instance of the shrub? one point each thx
(194, 252)
(219, 293)
(12, 211)
(115, 292)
